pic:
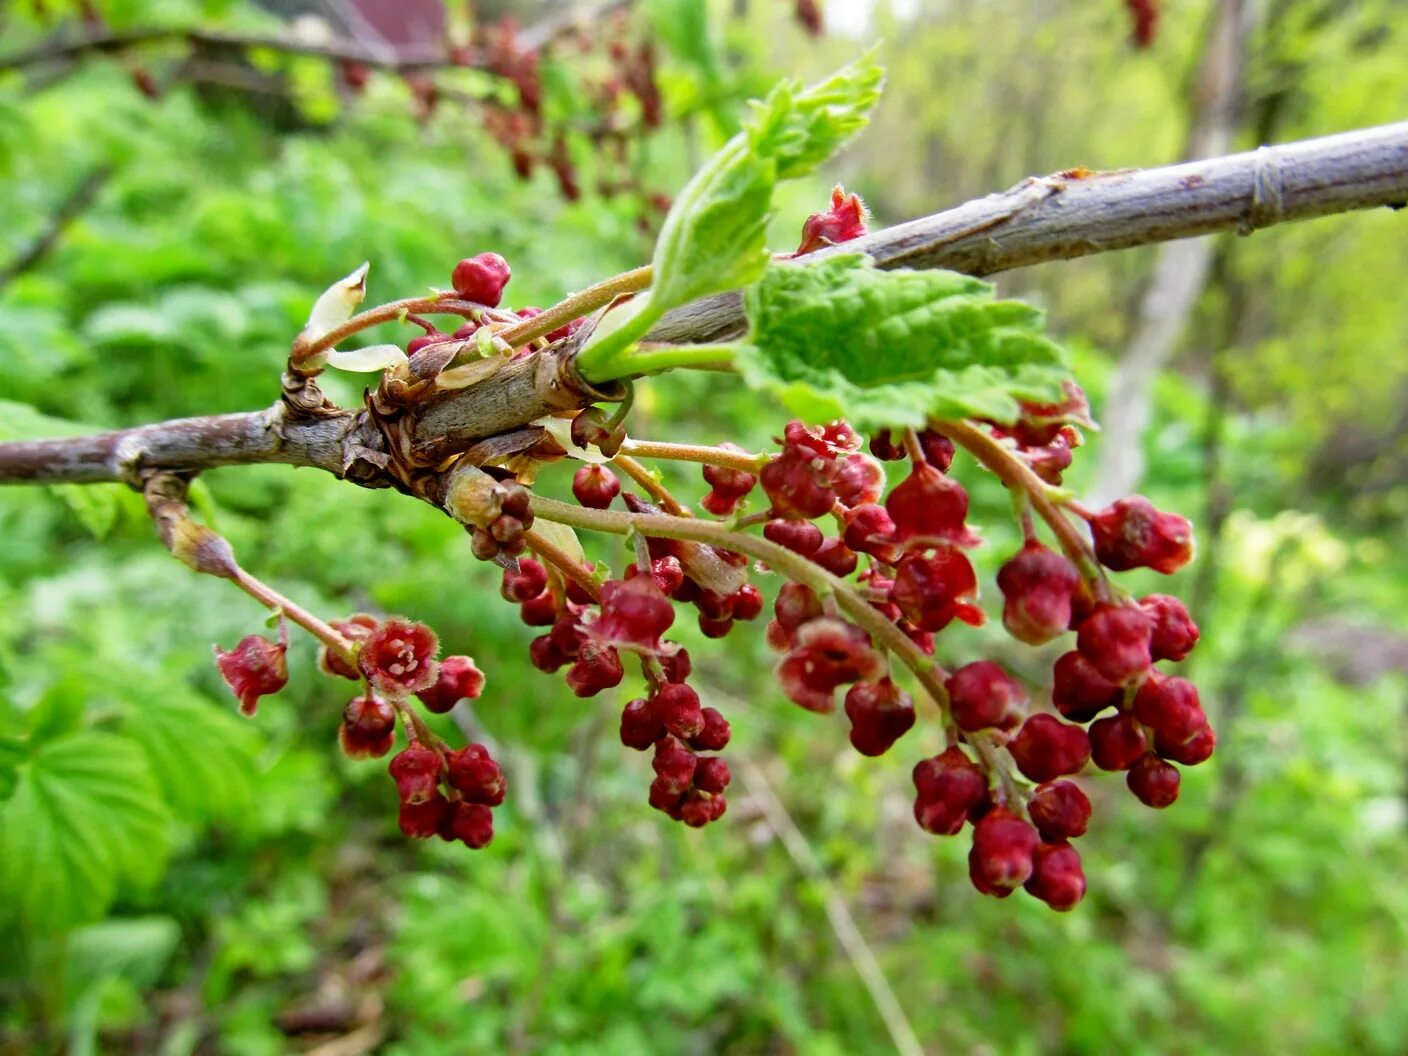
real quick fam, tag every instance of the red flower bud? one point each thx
(416, 771)
(982, 695)
(473, 773)
(458, 679)
(1057, 878)
(368, 728)
(1131, 533)
(482, 279)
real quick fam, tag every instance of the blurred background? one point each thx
(173, 199)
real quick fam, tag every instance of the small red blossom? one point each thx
(844, 221)
(255, 668)
(399, 657)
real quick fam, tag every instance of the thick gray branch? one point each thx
(180, 444)
(1071, 215)
(1051, 218)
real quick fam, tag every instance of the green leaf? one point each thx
(201, 755)
(800, 129)
(86, 816)
(839, 337)
(713, 238)
(12, 752)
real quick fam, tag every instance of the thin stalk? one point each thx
(577, 305)
(641, 476)
(393, 311)
(1016, 474)
(701, 453)
(778, 558)
(652, 359)
(271, 598)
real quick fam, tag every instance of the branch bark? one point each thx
(1057, 217)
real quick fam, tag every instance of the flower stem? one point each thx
(445, 303)
(1016, 474)
(701, 453)
(564, 562)
(578, 304)
(779, 558)
(268, 596)
(651, 359)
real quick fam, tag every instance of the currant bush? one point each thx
(865, 536)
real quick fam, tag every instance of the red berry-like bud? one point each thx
(1057, 878)
(796, 604)
(663, 797)
(1115, 639)
(399, 657)
(416, 771)
(801, 537)
(667, 572)
(1001, 858)
(470, 823)
(1059, 810)
(465, 332)
(546, 656)
(595, 486)
(929, 509)
(458, 679)
(1170, 707)
(674, 765)
(871, 530)
(1131, 533)
(676, 706)
(634, 614)
(858, 480)
(1198, 748)
(1174, 633)
(947, 787)
(356, 629)
(712, 628)
(880, 713)
(931, 591)
(368, 728)
(938, 449)
(676, 668)
(712, 775)
(1041, 423)
(472, 771)
(529, 582)
(885, 446)
(840, 436)
(837, 558)
(592, 426)
(698, 810)
(746, 603)
(567, 634)
(255, 668)
(639, 727)
(1037, 585)
(714, 736)
(481, 279)
(423, 819)
(597, 667)
(730, 483)
(1153, 782)
(1046, 748)
(1078, 691)
(1117, 742)
(983, 695)
(799, 486)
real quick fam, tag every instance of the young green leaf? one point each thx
(713, 236)
(85, 817)
(839, 337)
(712, 239)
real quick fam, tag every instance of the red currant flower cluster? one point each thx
(444, 792)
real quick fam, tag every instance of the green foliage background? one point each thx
(173, 877)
